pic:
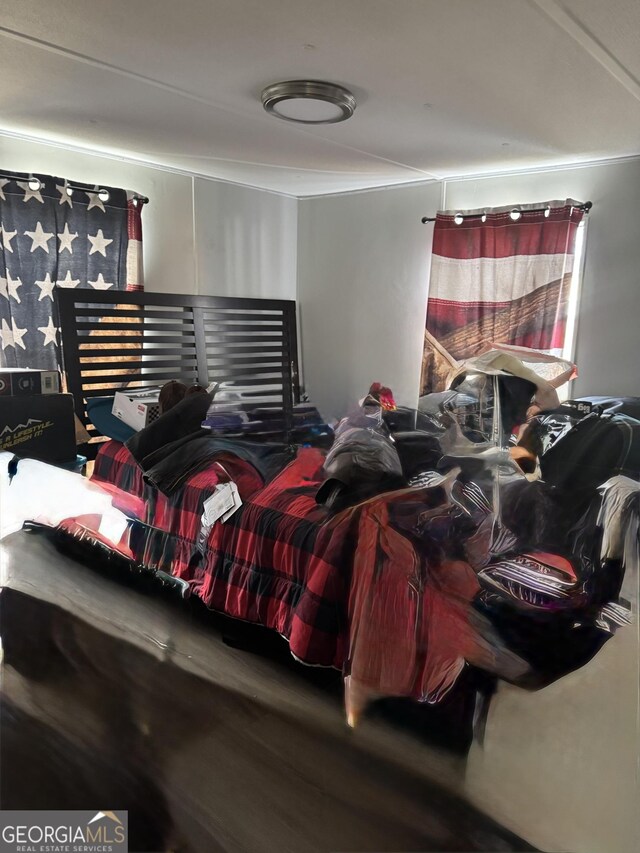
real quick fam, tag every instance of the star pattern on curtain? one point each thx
(66, 239)
(11, 337)
(46, 287)
(49, 331)
(67, 281)
(40, 238)
(99, 243)
(54, 235)
(7, 237)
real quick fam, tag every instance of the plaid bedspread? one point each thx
(383, 591)
(350, 590)
(117, 470)
(173, 522)
(279, 561)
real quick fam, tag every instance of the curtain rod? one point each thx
(16, 176)
(586, 207)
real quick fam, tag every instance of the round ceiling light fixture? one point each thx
(309, 101)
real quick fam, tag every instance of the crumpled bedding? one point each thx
(170, 524)
(404, 589)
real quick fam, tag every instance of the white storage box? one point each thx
(137, 408)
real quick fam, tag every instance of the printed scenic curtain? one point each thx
(498, 276)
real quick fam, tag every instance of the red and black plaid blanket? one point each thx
(279, 561)
(177, 516)
(384, 590)
(349, 590)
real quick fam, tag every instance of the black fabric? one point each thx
(175, 446)
(596, 448)
(553, 644)
(337, 495)
(167, 450)
(180, 421)
(404, 419)
(623, 405)
(537, 514)
(515, 398)
(561, 637)
(418, 452)
(543, 518)
(193, 453)
(364, 460)
(542, 431)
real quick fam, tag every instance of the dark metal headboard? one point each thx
(116, 339)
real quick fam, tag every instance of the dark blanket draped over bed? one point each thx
(174, 447)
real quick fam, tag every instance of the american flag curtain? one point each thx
(88, 237)
(502, 279)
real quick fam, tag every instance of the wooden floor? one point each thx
(117, 698)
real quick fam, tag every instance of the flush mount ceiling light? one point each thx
(309, 101)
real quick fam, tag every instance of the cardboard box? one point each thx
(137, 408)
(40, 426)
(19, 381)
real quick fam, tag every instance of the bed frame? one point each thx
(115, 339)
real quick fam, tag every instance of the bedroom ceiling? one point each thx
(443, 88)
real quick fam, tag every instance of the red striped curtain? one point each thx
(135, 271)
(501, 279)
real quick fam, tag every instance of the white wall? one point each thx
(167, 221)
(363, 266)
(245, 241)
(363, 261)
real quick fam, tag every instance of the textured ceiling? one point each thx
(443, 88)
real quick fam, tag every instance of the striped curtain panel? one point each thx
(135, 269)
(502, 279)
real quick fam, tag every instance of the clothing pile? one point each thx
(527, 562)
(363, 460)
(175, 446)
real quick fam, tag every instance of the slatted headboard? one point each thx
(112, 340)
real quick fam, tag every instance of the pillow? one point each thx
(418, 452)
(100, 415)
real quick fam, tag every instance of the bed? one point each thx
(286, 563)
(388, 590)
